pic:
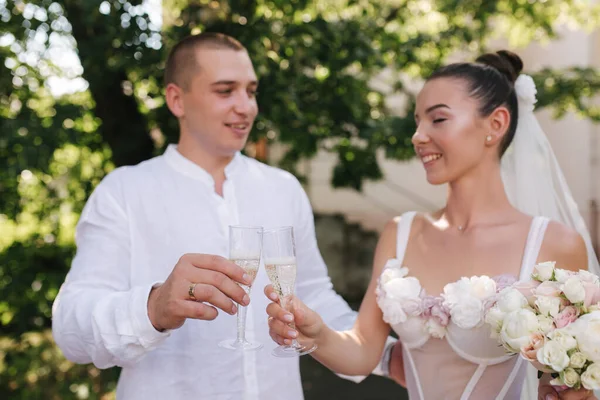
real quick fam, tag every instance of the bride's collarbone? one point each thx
(437, 266)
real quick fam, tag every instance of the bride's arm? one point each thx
(352, 352)
(564, 246)
(567, 248)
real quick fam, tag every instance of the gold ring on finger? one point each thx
(191, 291)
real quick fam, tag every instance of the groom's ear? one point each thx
(498, 123)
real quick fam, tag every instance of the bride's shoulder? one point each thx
(413, 221)
(386, 246)
(565, 246)
(390, 230)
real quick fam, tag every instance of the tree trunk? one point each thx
(124, 127)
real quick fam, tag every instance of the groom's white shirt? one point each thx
(134, 228)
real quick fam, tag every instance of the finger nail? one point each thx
(233, 309)
(246, 278)
(246, 299)
(292, 333)
(287, 341)
(273, 296)
(288, 317)
(549, 397)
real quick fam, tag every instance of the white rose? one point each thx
(404, 288)
(580, 324)
(570, 377)
(467, 313)
(556, 382)
(593, 308)
(567, 341)
(435, 329)
(577, 360)
(590, 379)
(517, 328)
(544, 271)
(561, 275)
(587, 333)
(546, 323)
(574, 290)
(511, 299)
(482, 287)
(494, 317)
(587, 276)
(392, 271)
(392, 310)
(548, 305)
(454, 292)
(553, 355)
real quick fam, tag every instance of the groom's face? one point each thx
(450, 136)
(217, 107)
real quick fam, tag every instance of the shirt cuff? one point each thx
(140, 321)
(383, 369)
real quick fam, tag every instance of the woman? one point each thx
(467, 116)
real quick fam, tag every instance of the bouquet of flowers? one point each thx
(553, 321)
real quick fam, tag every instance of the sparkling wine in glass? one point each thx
(245, 245)
(279, 255)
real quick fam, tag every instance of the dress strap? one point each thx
(413, 368)
(511, 378)
(473, 382)
(403, 233)
(533, 246)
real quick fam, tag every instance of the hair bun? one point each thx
(505, 61)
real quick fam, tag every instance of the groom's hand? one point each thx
(197, 286)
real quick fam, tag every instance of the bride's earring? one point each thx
(488, 138)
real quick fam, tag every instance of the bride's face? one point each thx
(450, 136)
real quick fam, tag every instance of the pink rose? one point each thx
(592, 294)
(433, 307)
(440, 313)
(565, 317)
(489, 303)
(529, 351)
(527, 289)
(427, 303)
(503, 281)
(548, 288)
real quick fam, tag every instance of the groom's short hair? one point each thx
(182, 63)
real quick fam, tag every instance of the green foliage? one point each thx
(326, 69)
(32, 367)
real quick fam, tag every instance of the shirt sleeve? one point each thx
(314, 286)
(98, 317)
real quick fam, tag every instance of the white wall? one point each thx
(574, 140)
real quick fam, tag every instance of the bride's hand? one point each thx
(309, 325)
(549, 392)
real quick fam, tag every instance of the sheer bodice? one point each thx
(447, 349)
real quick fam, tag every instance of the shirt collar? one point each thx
(187, 167)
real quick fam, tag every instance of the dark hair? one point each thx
(491, 81)
(181, 63)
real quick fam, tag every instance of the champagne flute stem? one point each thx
(241, 324)
(286, 303)
(241, 319)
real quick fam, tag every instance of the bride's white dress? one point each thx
(464, 363)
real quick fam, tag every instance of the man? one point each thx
(150, 274)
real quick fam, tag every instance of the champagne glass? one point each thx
(279, 255)
(245, 245)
